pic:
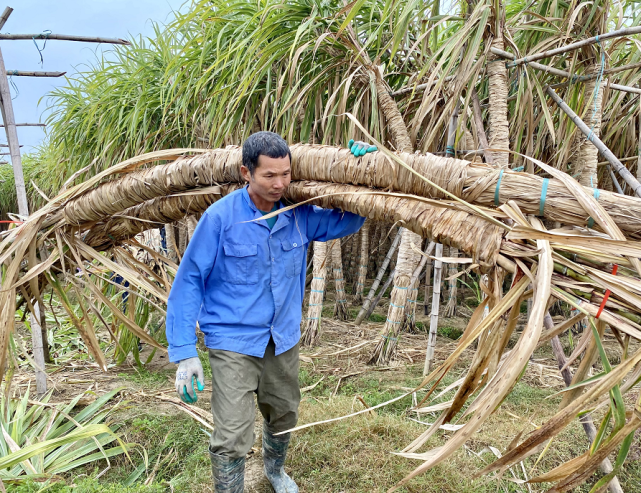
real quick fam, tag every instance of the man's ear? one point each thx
(244, 172)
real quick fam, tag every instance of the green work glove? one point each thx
(190, 369)
(359, 148)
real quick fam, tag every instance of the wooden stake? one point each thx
(586, 421)
(436, 298)
(575, 46)
(629, 178)
(379, 277)
(65, 37)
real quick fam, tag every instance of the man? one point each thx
(243, 279)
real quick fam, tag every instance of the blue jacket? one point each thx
(243, 282)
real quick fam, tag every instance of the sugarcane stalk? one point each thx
(340, 306)
(450, 307)
(586, 420)
(498, 93)
(436, 297)
(575, 46)
(312, 329)
(629, 178)
(359, 286)
(379, 277)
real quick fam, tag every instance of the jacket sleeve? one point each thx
(188, 290)
(329, 224)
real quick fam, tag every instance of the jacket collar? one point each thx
(282, 219)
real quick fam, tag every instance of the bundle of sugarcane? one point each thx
(596, 270)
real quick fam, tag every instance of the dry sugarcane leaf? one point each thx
(564, 416)
(603, 245)
(493, 394)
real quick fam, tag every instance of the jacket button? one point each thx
(295, 244)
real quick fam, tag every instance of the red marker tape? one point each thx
(607, 293)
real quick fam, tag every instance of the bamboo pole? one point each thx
(12, 139)
(30, 73)
(8, 118)
(380, 294)
(379, 277)
(568, 75)
(586, 421)
(575, 46)
(436, 298)
(428, 287)
(5, 16)
(629, 178)
(23, 124)
(65, 37)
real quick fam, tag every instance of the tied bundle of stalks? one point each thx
(312, 326)
(407, 262)
(571, 264)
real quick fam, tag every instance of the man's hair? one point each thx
(263, 143)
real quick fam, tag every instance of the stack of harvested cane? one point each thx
(488, 214)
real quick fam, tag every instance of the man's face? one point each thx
(271, 178)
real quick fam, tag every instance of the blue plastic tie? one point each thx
(390, 321)
(449, 151)
(46, 34)
(390, 338)
(399, 287)
(397, 306)
(321, 278)
(544, 193)
(498, 186)
(312, 318)
(519, 169)
(317, 291)
(13, 84)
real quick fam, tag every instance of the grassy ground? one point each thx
(354, 455)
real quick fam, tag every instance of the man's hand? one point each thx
(360, 148)
(189, 369)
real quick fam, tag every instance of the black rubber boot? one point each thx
(274, 453)
(229, 474)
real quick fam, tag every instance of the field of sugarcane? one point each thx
(480, 333)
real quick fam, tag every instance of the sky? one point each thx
(104, 18)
